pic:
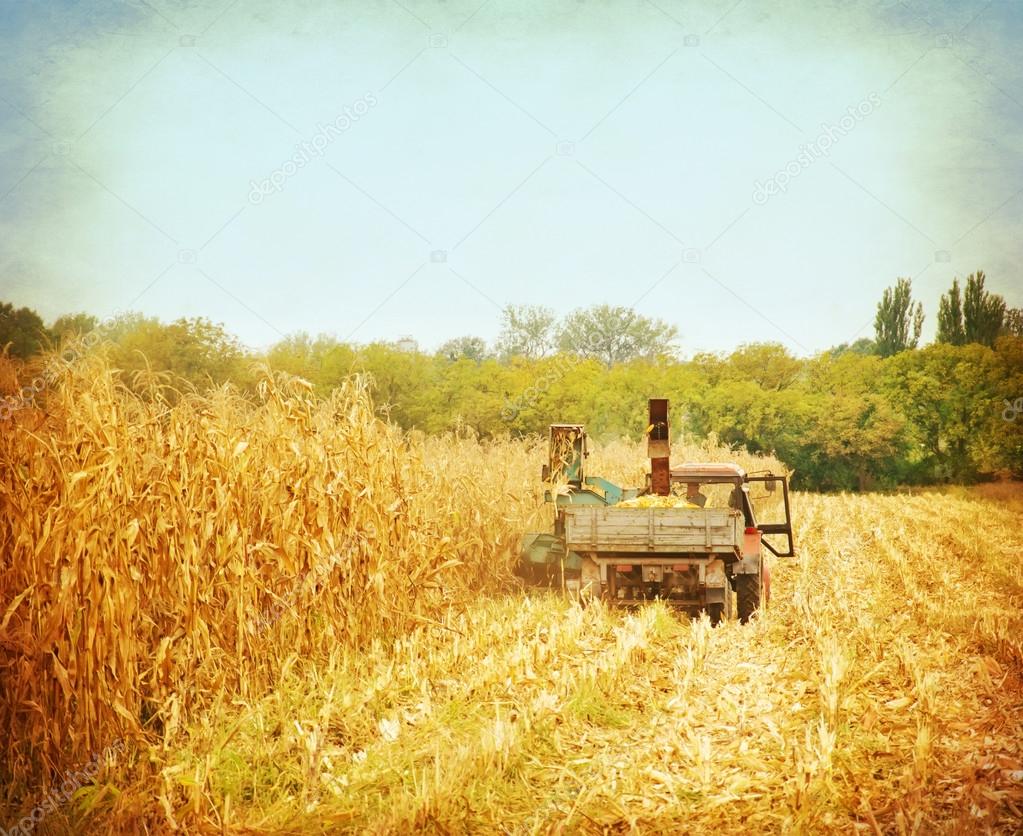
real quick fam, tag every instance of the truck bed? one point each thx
(593, 528)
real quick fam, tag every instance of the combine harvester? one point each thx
(690, 537)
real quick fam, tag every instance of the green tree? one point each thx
(1012, 326)
(464, 348)
(740, 412)
(1007, 435)
(615, 335)
(612, 402)
(295, 355)
(197, 350)
(404, 384)
(952, 397)
(72, 325)
(983, 312)
(468, 395)
(899, 321)
(864, 346)
(853, 441)
(950, 317)
(22, 333)
(768, 364)
(323, 361)
(526, 331)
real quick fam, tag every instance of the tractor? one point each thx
(689, 537)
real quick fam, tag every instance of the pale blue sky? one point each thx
(564, 153)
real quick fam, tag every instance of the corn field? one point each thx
(288, 616)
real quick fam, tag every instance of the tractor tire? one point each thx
(716, 613)
(747, 594)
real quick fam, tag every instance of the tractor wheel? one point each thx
(747, 593)
(715, 612)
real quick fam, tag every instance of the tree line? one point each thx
(876, 413)
(974, 316)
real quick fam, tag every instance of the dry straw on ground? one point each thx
(300, 620)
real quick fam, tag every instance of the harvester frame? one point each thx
(690, 556)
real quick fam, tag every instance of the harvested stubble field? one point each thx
(291, 617)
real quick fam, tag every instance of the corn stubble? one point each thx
(302, 620)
